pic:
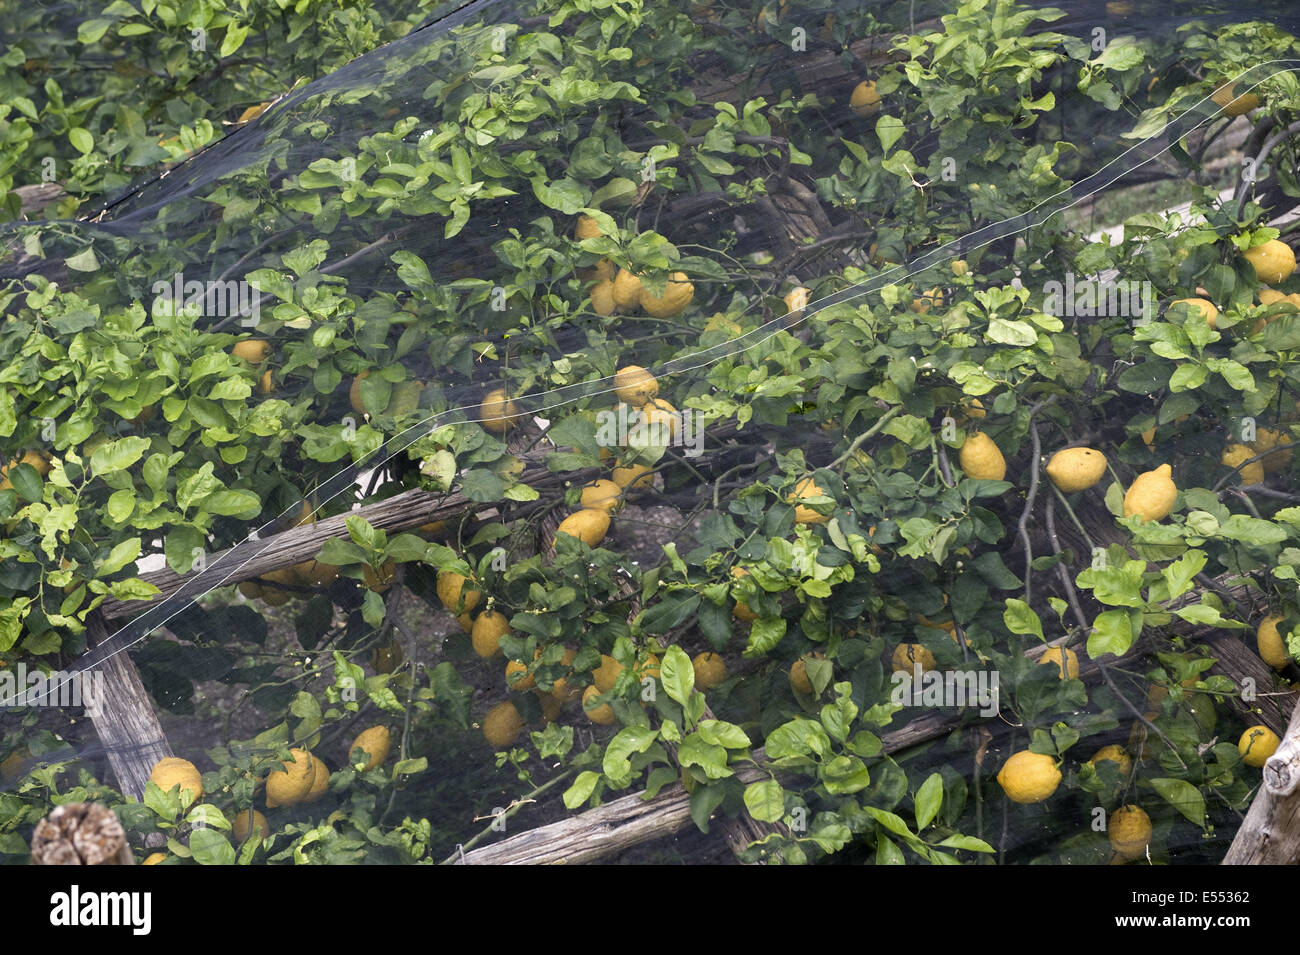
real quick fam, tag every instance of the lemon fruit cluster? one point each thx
(625, 293)
(459, 596)
(1236, 456)
(1076, 469)
(294, 784)
(1029, 777)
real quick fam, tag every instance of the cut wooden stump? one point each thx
(80, 833)
(1270, 834)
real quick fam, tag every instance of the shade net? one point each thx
(714, 355)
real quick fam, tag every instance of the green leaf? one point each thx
(81, 139)
(1113, 633)
(581, 790)
(629, 740)
(722, 733)
(91, 30)
(928, 799)
(232, 503)
(678, 674)
(210, 847)
(765, 800)
(764, 634)
(117, 455)
(1184, 797)
(121, 555)
(1020, 618)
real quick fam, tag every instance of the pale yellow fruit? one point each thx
(378, 580)
(907, 655)
(498, 413)
(173, 771)
(1272, 648)
(374, 741)
(586, 228)
(602, 495)
(502, 725)
(289, 787)
(1268, 296)
(155, 858)
(606, 675)
(602, 298)
(627, 289)
(1256, 745)
(252, 350)
(250, 589)
(806, 515)
(1274, 261)
(265, 385)
(981, 459)
(865, 101)
(1029, 777)
(1266, 439)
(1129, 831)
(741, 611)
(315, 573)
(710, 670)
(660, 421)
(526, 682)
(1115, 754)
(633, 479)
(466, 621)
(1076, 469)
(602, 714)
(453, 587)
(1152, 495)
(799, 674)
(678, 294)
(354, 393)
(795, 301)
(487, 631)
(1234, 105)
(1055, 656)
(635, 385)
(1199, 306)
(588, 525)
(930, 299)
(320, 781)
(250, 820)
(1235, 454)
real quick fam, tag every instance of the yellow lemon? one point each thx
(795, 301)
(606, 675)
(1029, 777)
(931, 299)
(627, 289)
(741, 611)
(981, 459)
(373, 741)
(1256, 745)
(1200, 307)
(1129, 830)
(602, 714)
(865, 101)
(907, 655)
(799, 674)
(250, 820)
(1265, 440)
(497, 413)
(660, 421)
(1115, 754)
(173, 771)
(1272, 648)
(1234, 105)
(1076, 469)
(586, 228)
(635, 385)
(487, 631)
(1058, 654)
(1235, 454)
(320, 780)
(252, 350)
(602, 298)
(289, 787)
(710, 670)
(1152, 495)
(1274, 261)
(528, 681)
(678, 294)
(452, 588)
(806, 515)
(502, 725)
(354, 393)
(602, 495)
(588, 525)
(155, 858)
(633, 479)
